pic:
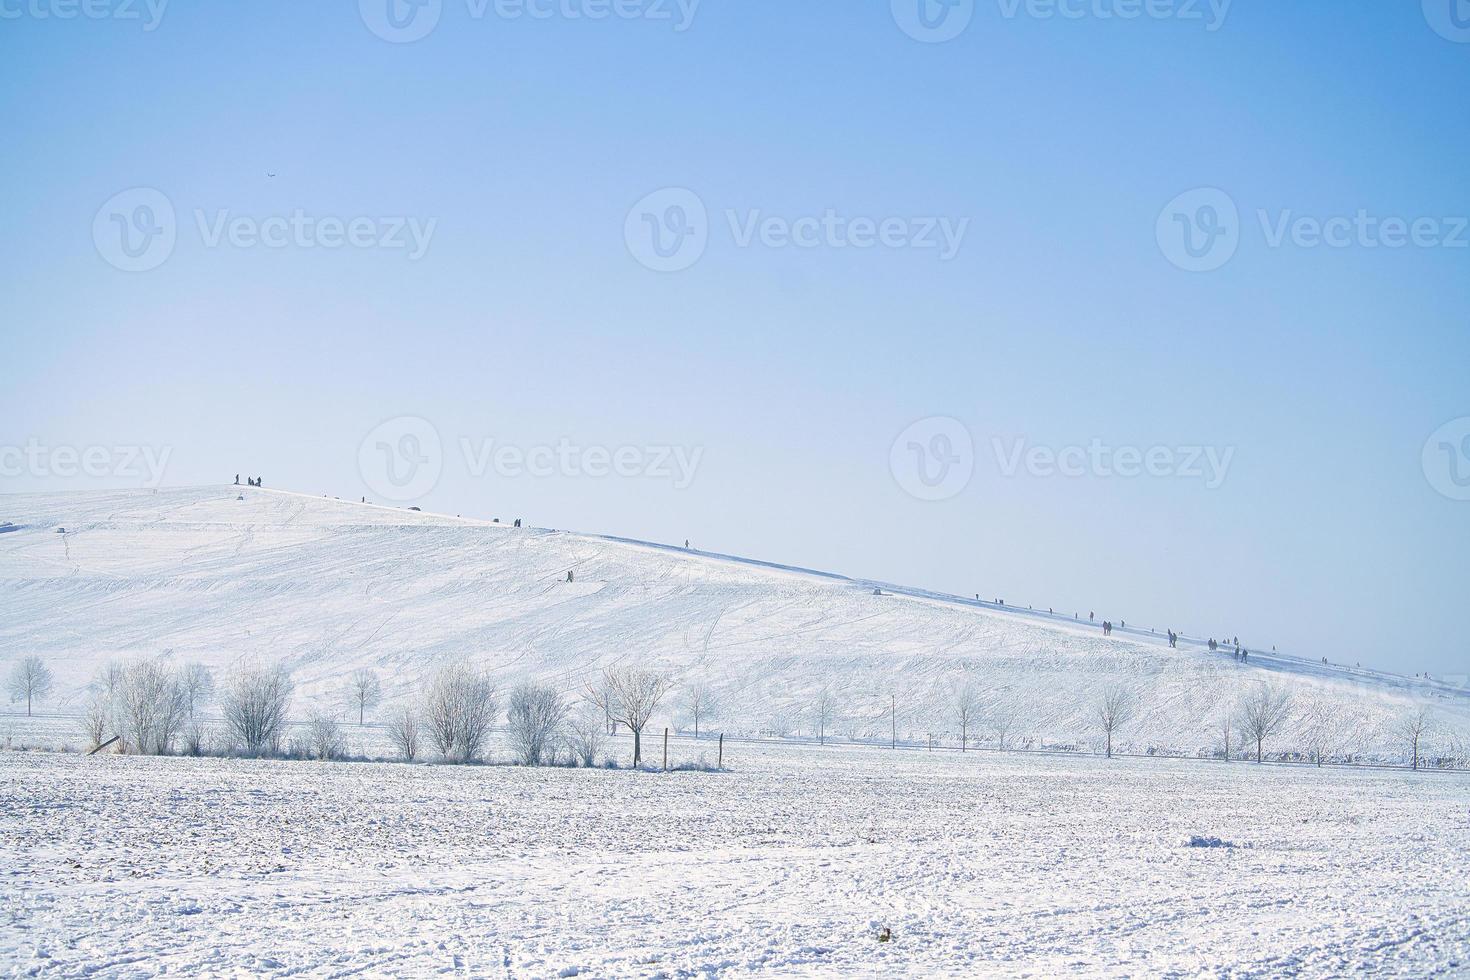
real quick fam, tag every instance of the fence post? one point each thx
(666, 750)
(721, 763)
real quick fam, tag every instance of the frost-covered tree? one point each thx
(966, 711)
(255, 703)
(534, 715)
(584, 733)
(324, 737)
(700, 699)
(824, 710)
(404, 731)
(97, 720)
(1003, 715)
(30, 681)
(1412, 728)
(1264, 712)
(364, 691)
(150, 706)
(1322, 727)
(109, 678)
(636, 693)
(197, 681)
(1116, 706)
(458, 710)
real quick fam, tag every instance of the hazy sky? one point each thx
(810, 282)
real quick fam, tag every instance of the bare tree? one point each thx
(255, 703)
(404, 730)
(458, 710)
(198, 684)
(1225, 719)
(1116, 707)
(599, 695)
(1413, 727)
(584, 735)
(966, 711)
(97, 721)
(1002, 714)
(30, 681)
(1263, 713)
(636, 693)
(1322, 727)
(363, 692)
(824, 710)
(535, 713)
(150, 707)
(324, 737)
(700, 699)
(109, 678)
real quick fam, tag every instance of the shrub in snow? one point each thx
(324, 737)
(584, 736)
(534, 714)
(150, 707)
(404, 731)
(255, 705)
(1198, 841)
(458, 710)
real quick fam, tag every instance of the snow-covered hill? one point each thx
(329, 586)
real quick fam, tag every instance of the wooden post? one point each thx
(721, 763)
(104, 745)
(893, 719)
(666, 750)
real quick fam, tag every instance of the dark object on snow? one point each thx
(885, 935)
(877, 592)
(415, 508)
(237, 479)
(7, 526)
(61, 530)
(104, 745)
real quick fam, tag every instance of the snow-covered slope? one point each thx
(328, 586)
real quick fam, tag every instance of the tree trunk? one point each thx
(637, 747)
(1110, 745)
(1258, 751)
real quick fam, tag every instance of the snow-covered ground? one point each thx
(981, 864)
(329, 586)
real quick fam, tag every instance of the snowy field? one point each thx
(790, 864)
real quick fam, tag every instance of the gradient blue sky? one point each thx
(528, 321)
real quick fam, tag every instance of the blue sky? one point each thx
(520, 147)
